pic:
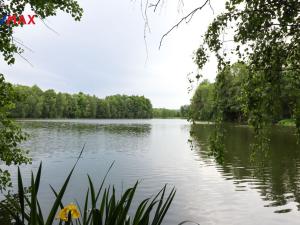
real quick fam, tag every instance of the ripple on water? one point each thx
(157, 152)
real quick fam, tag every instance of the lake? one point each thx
(243, 189)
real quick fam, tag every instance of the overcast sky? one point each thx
(105, 53)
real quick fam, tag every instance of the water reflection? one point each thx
(69, 136)
(156, 152)
(274, 175)
(84, 127)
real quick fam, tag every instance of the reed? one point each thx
(101, 206)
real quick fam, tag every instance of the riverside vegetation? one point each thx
(32, 102)
(233, 99)
(101, 206)
(265, 37)
(28, 209)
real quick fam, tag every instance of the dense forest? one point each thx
(32, 102)
(183, 112)
(166, 113)
(232, 96)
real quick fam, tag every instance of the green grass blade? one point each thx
(157, 212)
(139, 212)
(85, 208)
(21, 194)
(188, 221)
(93, 195)
(128, 204)
(33, 205)
(56, 195)
(166, 206)
(60, 195)
(57, 201)
(40, 214)
(103, 180)
(37, 179)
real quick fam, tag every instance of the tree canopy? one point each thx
(232, 97)
(32, 102)
(266, 36)
(10, 134)
(166, 113)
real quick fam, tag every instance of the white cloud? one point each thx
(105, 53)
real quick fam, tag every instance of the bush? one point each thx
(287, 122)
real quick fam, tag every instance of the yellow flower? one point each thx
(64, 213)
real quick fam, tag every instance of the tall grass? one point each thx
(101, 205)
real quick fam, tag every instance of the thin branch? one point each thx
(212, 9)
(22, 44)
(13, 40)
(185, 18)
(146, 26)
(50, 28)
(155, 5)
(26, 60)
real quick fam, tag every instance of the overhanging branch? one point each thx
(187, 18)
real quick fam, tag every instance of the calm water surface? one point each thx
(244, 189)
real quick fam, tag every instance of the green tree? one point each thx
(10, 134)
(60, 105)
(266, 36)
(72, 106)
(102, 109)
(92, 107)
(202, 103)
(165, 113)
(49, 104)
(185, 111)
(32, 102)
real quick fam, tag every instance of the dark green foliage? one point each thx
(185, 111)
(122, 106)
(265, 35)
(236, 97)
(10, 134)
(34, 103)
(166, 113)
(202, 103)
(229, 93)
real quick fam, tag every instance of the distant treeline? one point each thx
(231, 98)
(171, 113)
(32, 102)
(165, 113)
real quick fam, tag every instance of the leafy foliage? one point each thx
(35, 103)
(202, 102)
(10, 134)
(232, 97)
(265, 35)
(185, 111)
(166, 113)
(9, 46)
